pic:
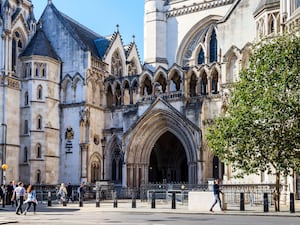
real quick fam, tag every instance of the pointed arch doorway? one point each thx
(168, 161)
(164, 141)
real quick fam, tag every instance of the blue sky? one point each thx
(102, 16)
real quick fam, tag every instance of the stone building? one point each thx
(77, 106)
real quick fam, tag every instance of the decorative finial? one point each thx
(133, 38)
(117, 27)
(49, 2)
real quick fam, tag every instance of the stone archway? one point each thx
(168, 162)
(159, 123)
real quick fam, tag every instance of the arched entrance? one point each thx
(168, 162)
(166, 142)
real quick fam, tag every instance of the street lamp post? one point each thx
(4, 134)
(4, 167)
(103, 140)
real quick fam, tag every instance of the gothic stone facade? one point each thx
(77, 106)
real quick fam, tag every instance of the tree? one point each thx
(260, 131)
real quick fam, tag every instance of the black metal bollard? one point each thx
(242, 202)
(97, 199)
(133, 200)
(49, 198)
(64, 202)
(4, 199)
(115, 200)
(266, 202)
(153, 200)
(292, 203)
(80, 200)
(173, 200)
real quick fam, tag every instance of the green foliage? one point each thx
(260, 130)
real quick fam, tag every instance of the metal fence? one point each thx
(253, 193)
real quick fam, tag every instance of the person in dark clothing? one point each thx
(10, 191)
(69, 192)
(217, 191)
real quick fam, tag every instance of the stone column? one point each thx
(124, 173)
(84, 160)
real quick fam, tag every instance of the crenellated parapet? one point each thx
(196, 7)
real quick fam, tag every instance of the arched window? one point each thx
(40, 92)
(14, 55)
(146, 87)
(162, 82)
(203, 84)
(17, 45)
(38, 176)
(201, 57)
(175, 84)
(25, 155)
(38, 151)
(39, 122)
(232, 69)
(26, 127)
(109, 97)
(271, 24)
(135, 89)
(118, 95)
(193, 85)
(36, 71)
(214, 83)
(43, 72)
(26, 98)
(117, 163)
(95, 171)
(213, 47)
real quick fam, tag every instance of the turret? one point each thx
(155, 34)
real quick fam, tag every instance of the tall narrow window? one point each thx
(193, 85)
(39, 122)
(26, 98)
(40, 92)
(213, 47)
(25, 155)
(214, 83)
(43, 72)
(26, 127)
(201, 57)
(203, 84)
(38, 151)
(36, 71)
(38, 176)
(14, 55)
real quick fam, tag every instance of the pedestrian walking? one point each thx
(69, 192)
(19, 194)
(217, 191)
(62, 193)
(31, 199)
(10, 191)
(2, 191)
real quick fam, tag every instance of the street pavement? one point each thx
(51, 214)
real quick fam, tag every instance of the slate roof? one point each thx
(265, 4)
(87, 39)
(40, 45)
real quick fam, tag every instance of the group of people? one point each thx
(16, 194)
(65, 192)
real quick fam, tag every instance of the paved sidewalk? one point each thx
(160, 207)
